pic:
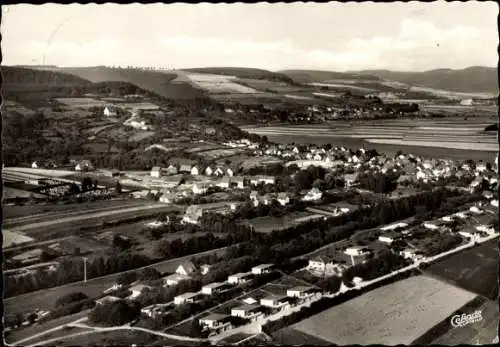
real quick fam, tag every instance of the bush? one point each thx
(127, 278)
(114, 313)
(70, 298)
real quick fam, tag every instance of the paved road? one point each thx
(77, 218)
(45, 299)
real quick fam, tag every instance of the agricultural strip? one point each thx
(394, 314)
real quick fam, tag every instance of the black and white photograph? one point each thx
(210, 174)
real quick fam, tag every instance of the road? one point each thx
(78, 218)
(45, 299)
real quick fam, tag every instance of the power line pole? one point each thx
(84, 269)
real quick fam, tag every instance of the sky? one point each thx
(413, 36)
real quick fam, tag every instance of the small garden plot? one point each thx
(81, 102)
(220, 153)
(227, 307)
(141, 135)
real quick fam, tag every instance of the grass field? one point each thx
(268, 224)
(45, 299)
(475, 269)
(110, 338)
(294, 337)
(394, 314)
(37, 328)
(81, 102)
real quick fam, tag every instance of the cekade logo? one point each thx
(462, 320)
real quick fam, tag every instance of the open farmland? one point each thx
(268, 224)
(475, 269)
(12, 238)
(120, 337)
(81, 102)
(221, 153)
(141, 135)
(294, 337)
(266, 85)
(394, 314)
(45, 299)
(218, 84)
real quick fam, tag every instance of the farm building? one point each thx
(313, 195)
(109, 111)
(84, 165)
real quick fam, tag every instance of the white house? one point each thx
(262, 269)
(209, 171)
(200, 188)
(481, 167)
(313, 195)
(229, 172)
(431, 226)
(34, 165)
(188, 297)
(388, 238)
(213, 288)
(195, 171)
(476, 210)
(494, 203)
(216, 322)
(275, 301)
(219, 172)
(174, 279)
(109, 111)
(283, 198)
(156, 172)
(84, 165)
(240, 278)
(251, 312)
(325, 266)
(301, 292)
(264, 179)
(137, 289)
(187, 268)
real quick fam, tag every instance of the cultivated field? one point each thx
(394, 314)
(475, 269)
(294, 337)
(268, 224)
(218, 84)
(109, 338)
(81, 102)
(141, 135)
(220, 153)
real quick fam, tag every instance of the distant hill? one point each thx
(311, 76)
(476, 79)
(24, 79)
(244, 73)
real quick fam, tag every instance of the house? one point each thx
(301, 292)
(84, 165)
(213, 288)
(283, 198)
(155, 310)
(240, 278)
(167, 198)
(171, 170)
(219, 172)
(210, 131)
(34, 165)
(225, 182)
(251, 312)
(156, 172)
(313, 195)
(216, 322)
(476, 210)
(264, 179)
(229, 172)
(109, 111)
(239, 182)
(494, 202)
(192, 215)
(204, 269)
(195, 170)
(200, 187)
(107, 299)
(254, 195)
(137, 290)
(355, 252)
(470, 234)
(275, 301)
(174, 279)
(481, 167)
(208, 171)
(185, 168)
(488, 195)
(431, 225)
(187, 298)
(187, 268)
(389, 238)
(262, 269)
